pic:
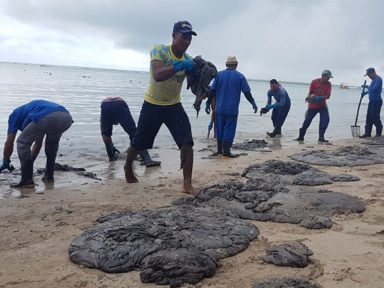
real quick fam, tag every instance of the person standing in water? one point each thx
(374, 105)
(280, 107)
(319, 92)
(226, 90)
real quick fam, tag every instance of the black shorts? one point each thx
(113, 113)
(153, 116)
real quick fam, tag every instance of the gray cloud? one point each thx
(292, 40)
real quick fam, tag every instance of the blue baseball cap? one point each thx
(369, 71)
(183, 27)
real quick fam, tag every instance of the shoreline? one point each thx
(37, 229)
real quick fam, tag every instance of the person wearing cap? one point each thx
(374, 105)
(36, 120)
(114, 110)
(319, 92)
(280, 107)
(169, 64)
(226, 89)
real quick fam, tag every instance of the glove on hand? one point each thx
(314, 98)
(310, 99)
(364, 93)
(365, 86)
(208, 108)
(270, 106)
(185, 65)
(254, 106)
(264, 110)
(318, 98)
(6, 165)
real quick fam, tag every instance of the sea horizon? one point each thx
(147, 71)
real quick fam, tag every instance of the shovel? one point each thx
(354, 128)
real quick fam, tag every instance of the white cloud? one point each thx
(285, 39)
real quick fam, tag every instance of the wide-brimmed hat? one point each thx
(231, 60)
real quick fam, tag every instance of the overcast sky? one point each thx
(292, 40)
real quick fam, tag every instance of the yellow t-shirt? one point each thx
(165, 92)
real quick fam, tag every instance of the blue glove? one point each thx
(185, 65)
(207, 108)
(365, 86)
(364, 93)
(318, 98)
(271, 106)
(6, 165)
(254, 106)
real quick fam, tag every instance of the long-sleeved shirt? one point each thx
(280, 95)
(375, 89)
(228, 86)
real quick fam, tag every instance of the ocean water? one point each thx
(81, 90)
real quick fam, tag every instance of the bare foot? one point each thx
(188, 189)
(129, 175)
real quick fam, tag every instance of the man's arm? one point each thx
(250, 99)
(281, 103)
(160, 71)
(327, 94)
(211, 95)
(8, 146)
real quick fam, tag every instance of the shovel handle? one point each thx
(361, 98)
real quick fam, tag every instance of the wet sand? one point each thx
(37, 228)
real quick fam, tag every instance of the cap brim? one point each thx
(188, 32)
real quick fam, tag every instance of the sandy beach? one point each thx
(37, 229)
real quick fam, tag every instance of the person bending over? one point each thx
(280, 107)
(36, 119)
(114, 110)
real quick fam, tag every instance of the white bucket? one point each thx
(355, 131)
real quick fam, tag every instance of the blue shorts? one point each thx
(153, 116)
(113, 113)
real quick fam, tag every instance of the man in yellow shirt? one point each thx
(162, 103)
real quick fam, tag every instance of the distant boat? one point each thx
(344, 86)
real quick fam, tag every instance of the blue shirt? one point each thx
(375, 89)
(281, 97)
(228, 86)
(32, 111)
